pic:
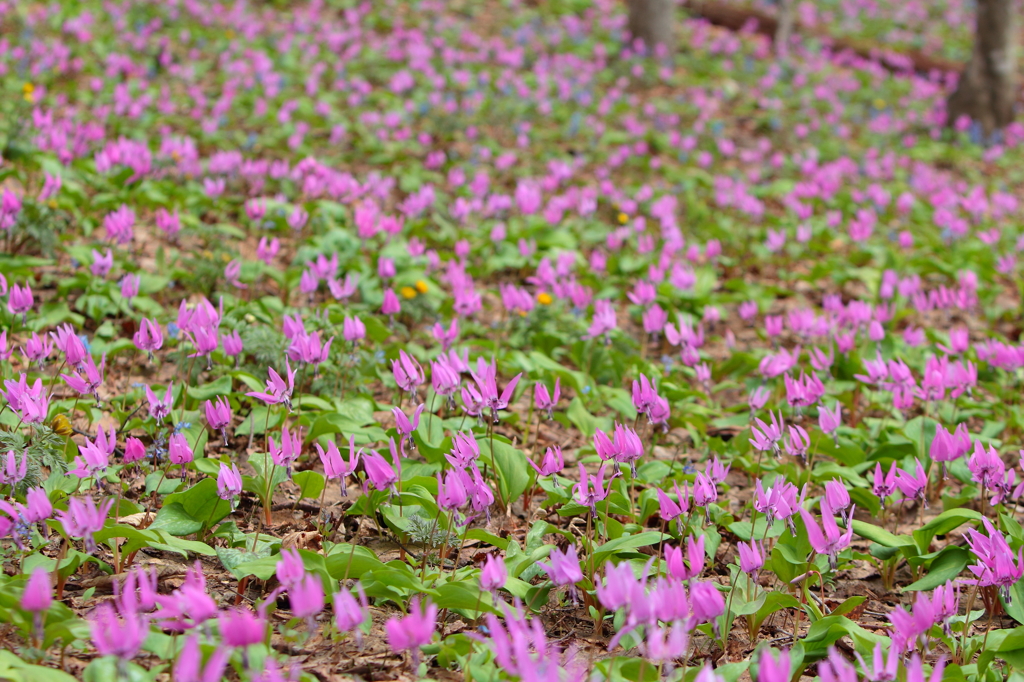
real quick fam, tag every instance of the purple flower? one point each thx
(884, 485)
(93, 377)
(134, 450)
(837, 497)
(149, 337)
(189, 668)
(827, 540)
(751, 558)
(564, 568)
(486, 381)
(278, 390)
(408, 373)
(38, 593)
(350, 613)
(767, 437)
(20, 300)
(706, 603)
(830, 420)
(452, 493)
(551, 463)
(189, 606)
(159, 409)
(771, 670)
(590, 490)
(95, 454)
(118, 635)
(232, 271)
(414, 630)
(444, 379)
(178, 450)
(694, 557)
(289, 451)
(69, 343)
(913, 486)
(307, 597)
(353, 329)
(83, 518)
(229, 482)
(544, 400)
(995, 560)
(335, 465)
(13, 473)
(218, 416)
(129, 286)
(391, 305)
(494, 574)
(669, 509)
(378, 472)
(241, 627)
(101, 263)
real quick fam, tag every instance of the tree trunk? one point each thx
(988, 85)
(651, 22)
(785, 28)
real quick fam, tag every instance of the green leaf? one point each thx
(106, 669)
(201, 502)
(175, 520)
(463, 596)
(311, 483)
(583, 420)
(242, 562)
(220, 387)
(946, 566)
(514, 473)
(627, 542)
(1015, 607)
(362, 561)
(13, 669)
(869, 531)
(942, 524)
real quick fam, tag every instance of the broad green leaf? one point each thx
(207, 391)
(627, 542)
(311, 483)
(947, 566)
(514, 472)
(869, 531)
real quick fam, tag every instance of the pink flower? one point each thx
(414, 630)
(278, 390)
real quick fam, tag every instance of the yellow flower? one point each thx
(879, 103)
(28, 92)
(250, 318)
(230, 34)
(61, 425)
(408, 292)
(623, 218)
(544, 298)
(52, 203)
(421, 286)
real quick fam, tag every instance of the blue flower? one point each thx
(173, 330)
